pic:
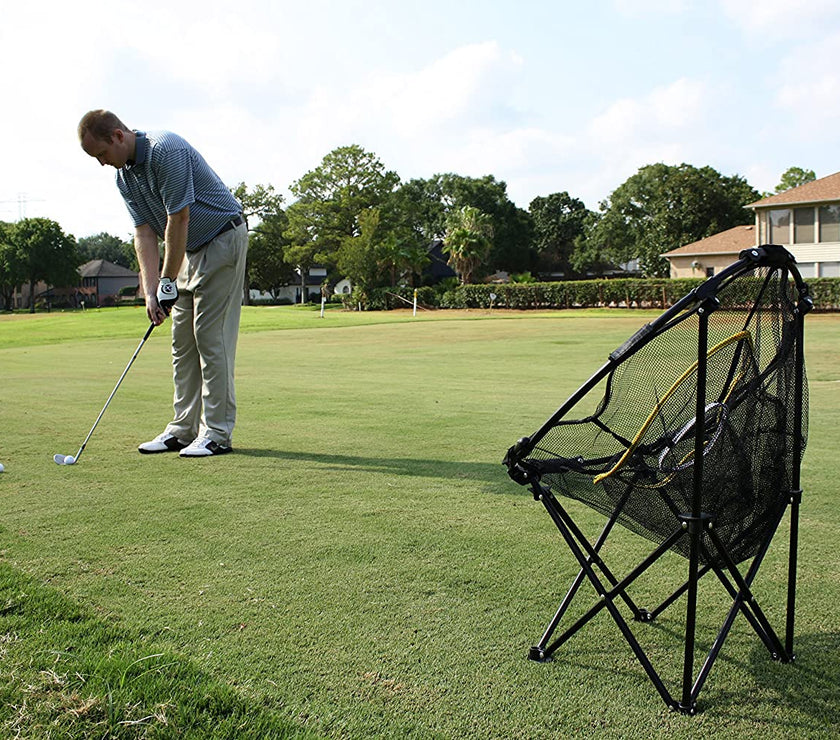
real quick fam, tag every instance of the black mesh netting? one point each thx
(630, 442)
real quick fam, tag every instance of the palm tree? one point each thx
(469, 232)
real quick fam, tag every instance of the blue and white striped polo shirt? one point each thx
(167, 175)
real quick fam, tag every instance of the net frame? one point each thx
(699, 454)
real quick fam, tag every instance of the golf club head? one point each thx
(64, 459)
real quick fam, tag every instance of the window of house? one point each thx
(830, 269)
(830, 223)
(803, 226)
(779, 221)
(710, 271)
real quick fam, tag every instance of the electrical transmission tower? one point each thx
(22, 200)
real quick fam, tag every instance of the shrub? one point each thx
(825, 293)
(618, 292)
(452, 298)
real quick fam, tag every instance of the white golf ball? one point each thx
(2, 468)
(69, 460)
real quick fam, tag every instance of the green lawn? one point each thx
(362, 566)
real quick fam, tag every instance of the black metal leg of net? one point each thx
(581, 549)
(767, 635)
(577, 540)
(800, 403)
(709, 473)
(738, 586)
(540, 651)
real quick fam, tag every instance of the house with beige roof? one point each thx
(805, 220)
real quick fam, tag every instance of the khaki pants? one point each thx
(205, 327)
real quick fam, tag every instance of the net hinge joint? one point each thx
(695, 523)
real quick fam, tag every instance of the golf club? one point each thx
(70, 459)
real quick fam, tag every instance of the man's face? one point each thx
(114, 152)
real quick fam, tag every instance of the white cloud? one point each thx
(809, 86)
(668, 124)
(451, 114)
(432, 118)
(213, 55)
(458, 114)
(775, 19)
(648, 7)
(48, 76)
(267, 89)
(466, 87)
(661, 115)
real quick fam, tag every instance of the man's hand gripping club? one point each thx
(167, 294)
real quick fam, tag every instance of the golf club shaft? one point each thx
(113, 392)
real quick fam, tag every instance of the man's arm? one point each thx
(175, 248)
(148, 256)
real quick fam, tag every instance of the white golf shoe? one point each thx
(165, 442)
(204, 447)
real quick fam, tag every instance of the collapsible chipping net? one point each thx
(700, 415)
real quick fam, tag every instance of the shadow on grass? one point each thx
(67, 672)
(805, 690)
(493, 477)
(798, 699)
(808, 686)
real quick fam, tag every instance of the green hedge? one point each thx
(629, 292)
(825, 292)
(621, 292)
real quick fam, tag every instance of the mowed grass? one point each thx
(362, 566)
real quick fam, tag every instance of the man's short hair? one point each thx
(100, 124)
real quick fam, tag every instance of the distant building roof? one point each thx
(438, 267)
(816, 191)
(731, 241)
(103, 268)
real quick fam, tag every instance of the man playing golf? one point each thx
(172, 194)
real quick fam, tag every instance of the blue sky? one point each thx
(546, 96)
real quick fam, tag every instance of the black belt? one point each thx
(232, 224)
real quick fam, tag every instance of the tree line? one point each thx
(362, 222)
